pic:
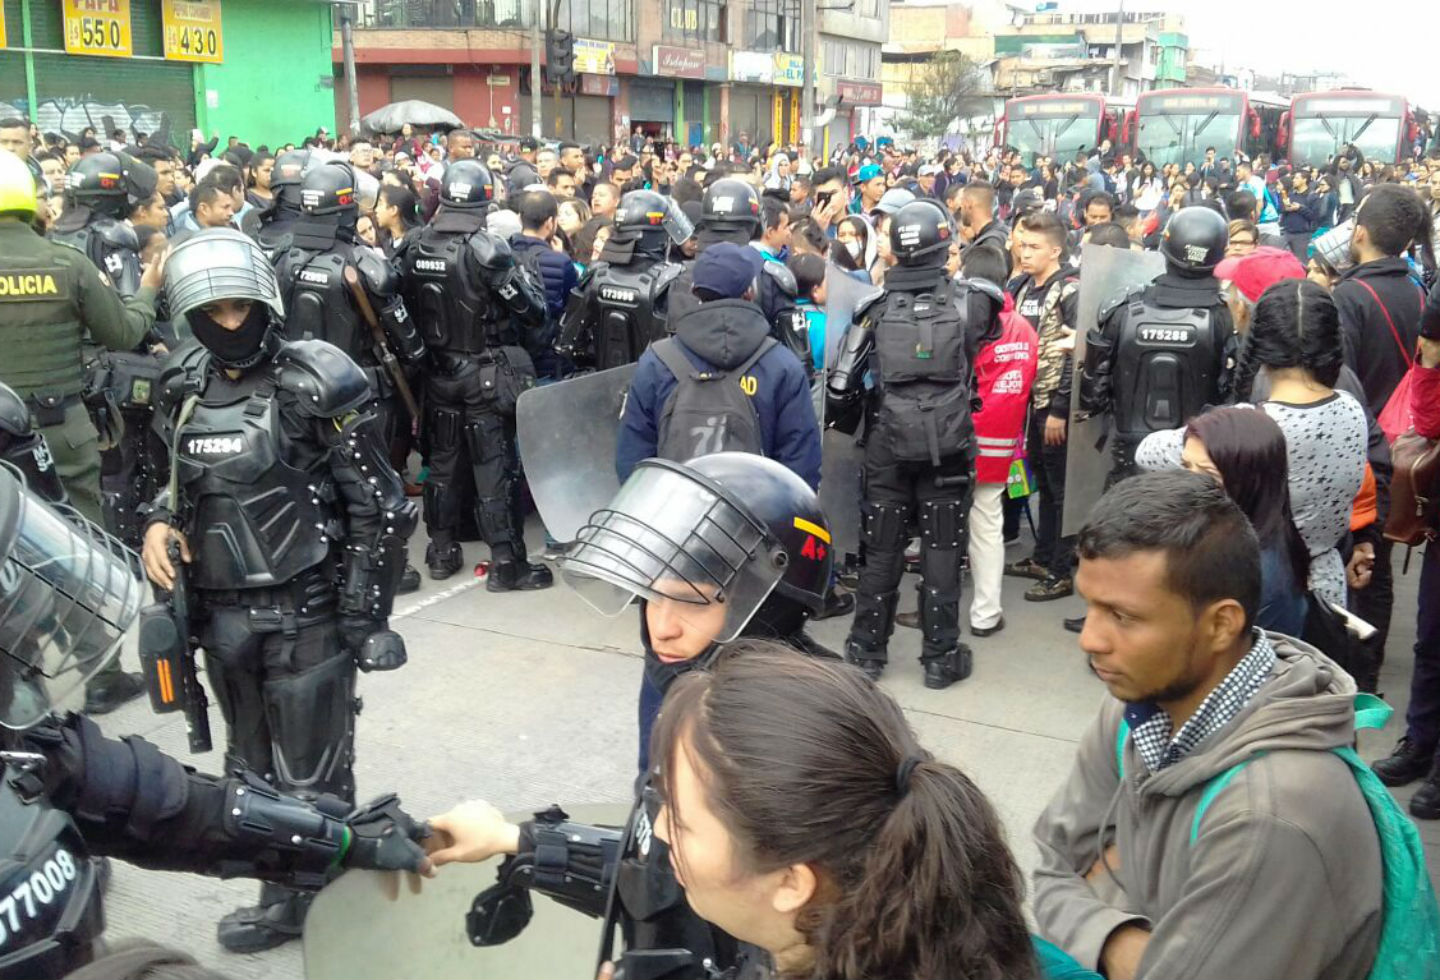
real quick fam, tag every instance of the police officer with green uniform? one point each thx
(50, 295)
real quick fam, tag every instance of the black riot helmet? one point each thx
(289, 169)
(651, 219)
(731, 204)
(99, 182)
(1194, 241)
(715, 537)
(466, 184)
(329, 189)
(921, 233)
(14, 415)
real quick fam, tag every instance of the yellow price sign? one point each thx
(98, 27)
(193, 31)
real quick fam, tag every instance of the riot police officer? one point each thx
(756, 564)
(611, 316)
(476, 308)
(277, 220)
(68, 792)
(1164, 352)
(100, 190)
(51, 298)
(730, 212)
(918, 339)
(337, 289)
(291, 524)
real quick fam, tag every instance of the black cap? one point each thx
(727, 270)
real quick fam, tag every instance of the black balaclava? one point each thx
(241, 348)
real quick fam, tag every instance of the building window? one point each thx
(694, 21)
(603, 20)
(771, 25)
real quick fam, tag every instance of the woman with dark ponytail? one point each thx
(804, 818)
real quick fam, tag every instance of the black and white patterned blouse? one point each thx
(1325, 445)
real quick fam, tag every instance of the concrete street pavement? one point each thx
(529, 699)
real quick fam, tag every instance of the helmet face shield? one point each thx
(671, 537)
(68, 593)
(216, 264)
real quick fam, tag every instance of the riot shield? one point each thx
(567, 434)
(842, 460)
(372, 924)
(1106, 273)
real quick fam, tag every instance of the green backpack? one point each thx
(1409, 946)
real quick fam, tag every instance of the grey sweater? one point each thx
(1284, 879)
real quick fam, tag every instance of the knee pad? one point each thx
(312, 725)
(883, 526)
(942, 525)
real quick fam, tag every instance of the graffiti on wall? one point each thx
(69, 117)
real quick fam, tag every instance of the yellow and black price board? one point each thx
(98, 27)
(192, 30)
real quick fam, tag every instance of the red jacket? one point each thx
(1425, 401)
(1004, 372)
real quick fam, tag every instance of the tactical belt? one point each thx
(49, 408)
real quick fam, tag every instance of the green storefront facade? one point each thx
(275, 85)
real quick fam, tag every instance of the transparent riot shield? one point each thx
(1106, 273)
(381, 925)
(567, 434)
(842, 459)
(68, 593)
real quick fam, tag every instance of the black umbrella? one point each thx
(390, 118)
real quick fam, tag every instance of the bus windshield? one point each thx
(1181, 137)
(1319, 137)
(1057, 137)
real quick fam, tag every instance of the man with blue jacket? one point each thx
(720, 335)
(539, 218)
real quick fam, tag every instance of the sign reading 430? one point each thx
(193, 31)
(98, 27)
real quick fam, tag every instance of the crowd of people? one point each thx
(1238, 580)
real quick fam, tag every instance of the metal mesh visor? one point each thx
(1334, 245)
(68, 593)
(219, 263)
(667, 536)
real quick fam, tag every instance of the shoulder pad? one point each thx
(1109, 306)
(491, 251)
(325, 381)
(378, 273)
(866, 305)
(667, 273)
(591, 271)
(783, 277)
(182, 373)
(117, 233)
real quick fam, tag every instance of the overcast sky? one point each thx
(1393, 47)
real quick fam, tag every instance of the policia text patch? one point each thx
(41, 284)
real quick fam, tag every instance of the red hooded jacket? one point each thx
(1004, 372)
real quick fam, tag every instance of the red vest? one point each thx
(1004, 372)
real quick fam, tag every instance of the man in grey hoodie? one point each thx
(1281, 875)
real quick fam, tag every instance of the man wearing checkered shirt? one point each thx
(1281, 874)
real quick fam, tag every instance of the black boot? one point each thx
(409, 580)
(279, 918)
(869, 639)
(443, 561)
(518, 576)
(1425, 804)
(109, 691)
(1408, 762)
(941, 672)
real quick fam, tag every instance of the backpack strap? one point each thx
(1121, 734)
(751, 361)
(1213, 788)
(1409, 362)
(674, 359)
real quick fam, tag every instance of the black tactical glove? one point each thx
(385, 837)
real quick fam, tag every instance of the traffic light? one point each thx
(559, 56)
